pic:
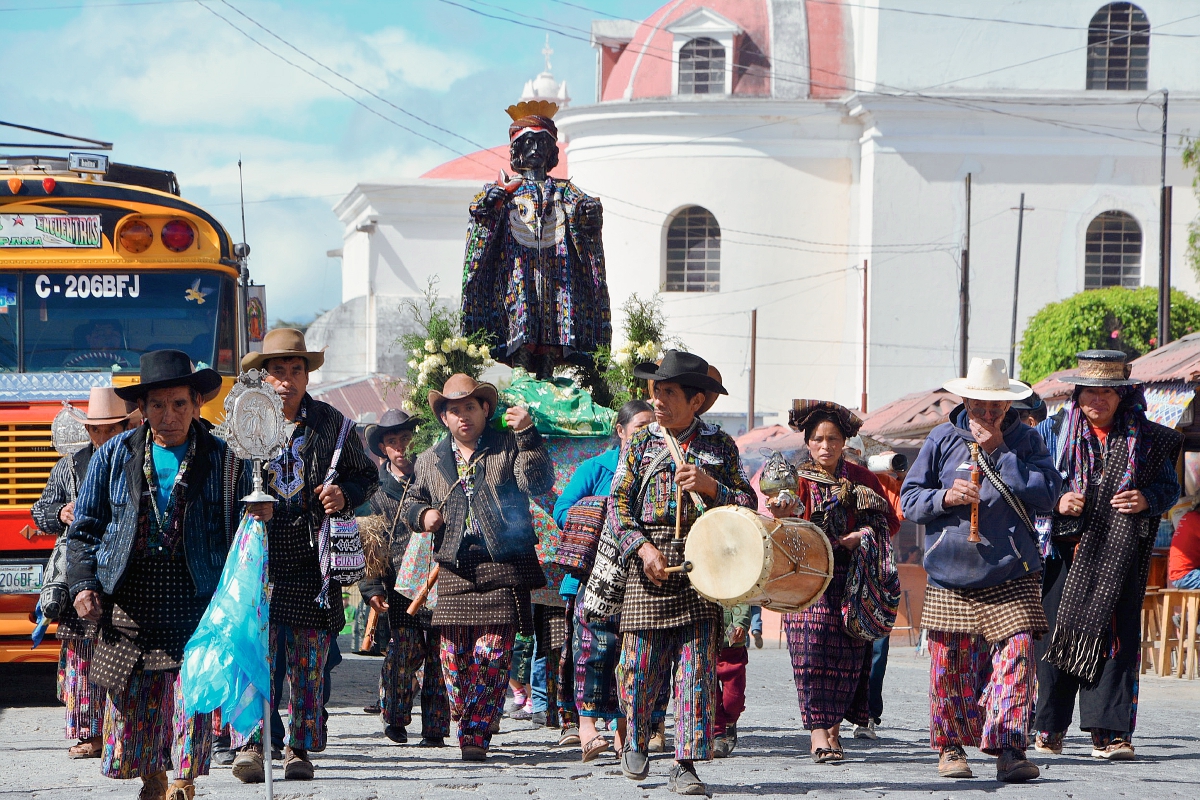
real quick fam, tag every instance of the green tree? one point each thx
(1113, 319)
(1191, 159)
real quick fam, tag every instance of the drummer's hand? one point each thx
(653, 563)
(693, 479)
(960, 494)
(260, 511)
(851, 541)
(331, 498)
(431, 520)
(378, 603)
(737, 635)
(87, 605)
(783, 505)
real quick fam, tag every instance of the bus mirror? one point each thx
(241, 250)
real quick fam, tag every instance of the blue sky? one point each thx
(173, 86)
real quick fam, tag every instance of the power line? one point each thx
(40, 9)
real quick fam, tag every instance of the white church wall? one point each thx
(939, 54)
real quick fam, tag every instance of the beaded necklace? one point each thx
(163, 533)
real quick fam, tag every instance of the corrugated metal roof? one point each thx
(1053, 391)
(1177, 361)
(907, 421)
(362, 399)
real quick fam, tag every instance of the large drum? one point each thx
(738, 556)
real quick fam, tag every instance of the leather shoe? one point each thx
(296, 766)
(634, 765)
(1013, 767)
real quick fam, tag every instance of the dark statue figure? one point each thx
(534, 273)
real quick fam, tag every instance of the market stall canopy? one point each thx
(1171, 374)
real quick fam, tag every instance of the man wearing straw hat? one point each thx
(983, 604)
(471, 493)
(667, 629)
(306, 604)
(146, 549)
(106, 416)
(1119, 477)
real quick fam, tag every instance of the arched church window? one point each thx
(1113, 252)
(702, 67)
(1118, 54)
(693, 252)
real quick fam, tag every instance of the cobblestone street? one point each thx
(771, 758)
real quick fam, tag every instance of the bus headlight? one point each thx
(135, 236)
(177, 235)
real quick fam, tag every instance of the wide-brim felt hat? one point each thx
(686, 369)
(803, 410)
(105, 407)
(460, 386)
(1107, 368)
(987, 379)
(283, 343)
(393, 421)
(162, 369)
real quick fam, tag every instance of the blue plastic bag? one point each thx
(225, 661)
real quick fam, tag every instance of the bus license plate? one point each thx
(21, 579)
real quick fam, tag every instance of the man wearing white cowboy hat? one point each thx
(106, 416)
(983, 604)
(306, 604)
(1119, 478)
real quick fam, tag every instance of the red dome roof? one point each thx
(644, 67)
(485, 165)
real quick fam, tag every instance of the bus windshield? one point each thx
(74, 322)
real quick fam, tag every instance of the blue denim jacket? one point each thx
(101, 538)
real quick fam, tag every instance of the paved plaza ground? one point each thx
(771, 759)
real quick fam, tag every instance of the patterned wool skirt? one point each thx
(831, 668)
(84, 700)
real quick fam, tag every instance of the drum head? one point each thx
(727, 549)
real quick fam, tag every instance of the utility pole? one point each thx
(1164, 239)
(753, 366)
(964, 293)
(1012, 339)
(863, 403)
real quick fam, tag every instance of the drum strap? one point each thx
(678, 457)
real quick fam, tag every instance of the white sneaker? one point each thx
(866, 731)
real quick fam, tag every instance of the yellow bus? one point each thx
(99, 263)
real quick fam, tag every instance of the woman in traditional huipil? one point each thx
(831, 667)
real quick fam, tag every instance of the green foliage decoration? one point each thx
(645, 340)
(1115, 318)
(437, 350)
(1191, 160)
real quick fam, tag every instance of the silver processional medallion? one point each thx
(254, 426)
(67, 432)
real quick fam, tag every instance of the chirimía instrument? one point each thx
(977, 480)
(422, 595)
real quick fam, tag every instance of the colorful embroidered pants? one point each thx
(648, 660)
(980, 695)
(409, 649)
(84, 700)
(731, 675)
(143, 725)
(303, 652)
(475, 662)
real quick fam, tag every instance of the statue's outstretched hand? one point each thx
(495, 197)
(590, 214)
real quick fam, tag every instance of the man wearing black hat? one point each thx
(414, 642)
(1119, 477)
(666, 627)
(146, 549)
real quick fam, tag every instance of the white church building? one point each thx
(753, 154)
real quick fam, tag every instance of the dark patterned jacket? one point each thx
(62, 487)
(102, 536)
(513, 467)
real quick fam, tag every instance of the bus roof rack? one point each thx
(160, 179)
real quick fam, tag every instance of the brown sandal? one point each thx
(87, 748)
(595, 746)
